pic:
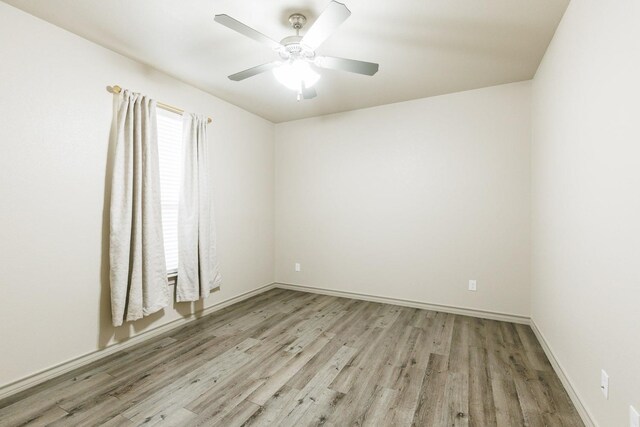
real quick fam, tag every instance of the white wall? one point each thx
(411, 200)
(55, 123)
(586, 202)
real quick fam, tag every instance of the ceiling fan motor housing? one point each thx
(293, 49)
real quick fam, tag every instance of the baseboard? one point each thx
(587, 419)
(484, 314)
(49, 373)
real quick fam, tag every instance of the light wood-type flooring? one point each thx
(286, 358)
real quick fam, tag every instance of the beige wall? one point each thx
(586, 202)
(55, 122)
(411, 200)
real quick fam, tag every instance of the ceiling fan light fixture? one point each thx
(293, 73)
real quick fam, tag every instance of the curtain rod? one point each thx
(117, 89)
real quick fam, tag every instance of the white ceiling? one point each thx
(424, 47)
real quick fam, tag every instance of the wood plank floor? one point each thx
(290, 358)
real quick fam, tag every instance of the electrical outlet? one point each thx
(473, 285)
(297, 266)
(634, 417)
(604, 384)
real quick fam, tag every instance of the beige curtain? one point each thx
(138, 272)
(198, 271)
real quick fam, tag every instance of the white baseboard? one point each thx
(484, 314)
(42, 376)
(587, 419)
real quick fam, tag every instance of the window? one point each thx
(170, 154)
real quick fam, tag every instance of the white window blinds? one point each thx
(170, 154)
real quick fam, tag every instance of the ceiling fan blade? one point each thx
(330, 19)
(245, 30)
(253, 71)
(351, 65)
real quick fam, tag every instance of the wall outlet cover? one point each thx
(297, 266)
(473, 285)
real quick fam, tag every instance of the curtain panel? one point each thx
(198, 271)
(138, 273)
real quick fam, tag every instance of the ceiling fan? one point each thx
(297, 53)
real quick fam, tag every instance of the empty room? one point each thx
(320, 213)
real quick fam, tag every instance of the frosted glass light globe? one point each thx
(292, 74)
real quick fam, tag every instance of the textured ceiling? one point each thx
(424, 48)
